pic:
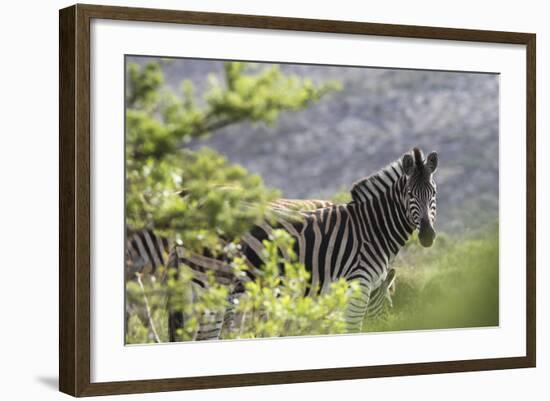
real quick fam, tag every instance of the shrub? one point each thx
(273, 305)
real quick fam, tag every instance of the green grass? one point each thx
(451, 285)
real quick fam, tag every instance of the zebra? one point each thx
(358, 240)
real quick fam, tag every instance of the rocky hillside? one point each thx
(378, 115)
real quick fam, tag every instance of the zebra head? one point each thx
(420, 193)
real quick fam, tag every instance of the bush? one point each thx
(272, 306)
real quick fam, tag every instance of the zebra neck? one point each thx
(380, 200)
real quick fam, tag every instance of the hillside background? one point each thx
(378, 115)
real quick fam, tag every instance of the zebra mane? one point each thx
(365, 187)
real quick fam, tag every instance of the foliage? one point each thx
(139, 301)
(274, 305)
(160, 122)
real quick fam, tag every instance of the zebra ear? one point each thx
(431, 162)
(408, 164)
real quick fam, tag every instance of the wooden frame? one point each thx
(74, 199)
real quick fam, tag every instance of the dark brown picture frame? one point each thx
(74, 199)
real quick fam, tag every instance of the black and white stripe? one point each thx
(381, 297)
(145, 251)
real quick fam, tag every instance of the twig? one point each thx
(242, 323)
(148, 309)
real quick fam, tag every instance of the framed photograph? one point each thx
(250, 200)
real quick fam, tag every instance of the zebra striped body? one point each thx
(357, 241)
(334, 243)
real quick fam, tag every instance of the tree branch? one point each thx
(148, 309)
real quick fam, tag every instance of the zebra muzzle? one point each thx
(426, 233)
